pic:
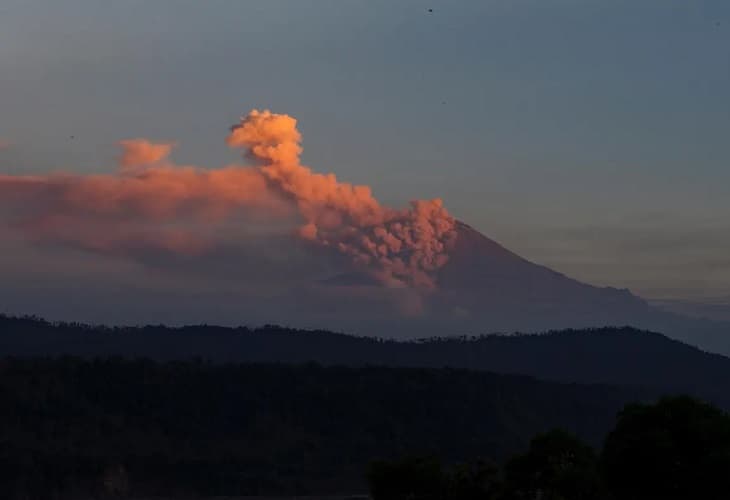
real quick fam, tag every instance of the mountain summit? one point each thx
(485, 279)
(485, 288)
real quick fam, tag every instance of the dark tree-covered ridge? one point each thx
(676, 448)
(617, 356)
(224, 429)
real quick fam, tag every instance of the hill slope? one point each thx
(494, 289)
(266, 429)
(622, 356)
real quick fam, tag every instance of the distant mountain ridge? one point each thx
(478, 263)
(614, 356)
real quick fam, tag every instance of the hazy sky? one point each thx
(590, 136)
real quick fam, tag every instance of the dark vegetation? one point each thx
(615, 356)
(675, 449)
(89, 411)
(72, 427)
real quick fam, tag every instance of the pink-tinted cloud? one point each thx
(153, 204)
(137, 153)
(400, 246)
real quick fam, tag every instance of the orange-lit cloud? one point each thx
(138, 153)
(153, 204)
(401, 246)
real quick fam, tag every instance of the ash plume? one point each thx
(151, 203)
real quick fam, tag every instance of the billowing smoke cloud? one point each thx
(152, 204)
(403, 246)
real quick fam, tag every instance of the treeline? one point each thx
(614, 356)
(675, 449)
(73, 428)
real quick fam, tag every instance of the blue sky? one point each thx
(590, 136)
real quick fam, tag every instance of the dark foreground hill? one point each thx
(615, 356)
(193, 427)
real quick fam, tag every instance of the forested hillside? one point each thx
(197, 427)
(616, 356)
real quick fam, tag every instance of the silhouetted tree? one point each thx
(558, 466)
(678, 448)
(407, 479)
(474, 481)
(115, 481)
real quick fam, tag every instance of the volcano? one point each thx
(486, 288)
(277, 241)
(489, 288)
(485, 279)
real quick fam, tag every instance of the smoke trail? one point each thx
(152, 203)
(402, 246)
